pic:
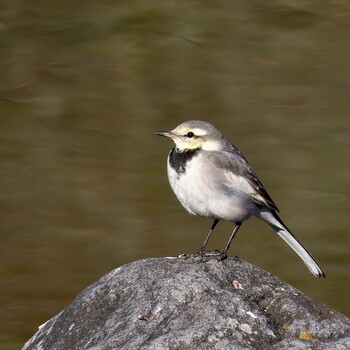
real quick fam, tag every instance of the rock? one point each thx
(193, 303)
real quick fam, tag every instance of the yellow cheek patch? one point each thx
(188, 144)
(194, 143)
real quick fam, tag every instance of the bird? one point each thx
(211, 178)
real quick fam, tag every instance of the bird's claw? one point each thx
(207, 253)
(222, 256)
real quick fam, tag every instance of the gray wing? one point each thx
(238, 170)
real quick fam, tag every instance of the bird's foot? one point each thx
(222, 256)
(207, 253)
(201, 252)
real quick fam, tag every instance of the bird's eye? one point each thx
(190, 134)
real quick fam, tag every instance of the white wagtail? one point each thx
(211, 178)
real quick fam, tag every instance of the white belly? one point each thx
(200, 191)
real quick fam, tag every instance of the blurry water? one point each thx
(83, 180)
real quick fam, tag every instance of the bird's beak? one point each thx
(164, 133)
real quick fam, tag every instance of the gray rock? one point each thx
(193, 303)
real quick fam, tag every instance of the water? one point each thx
(83, 179)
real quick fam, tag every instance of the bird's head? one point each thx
(195, 134)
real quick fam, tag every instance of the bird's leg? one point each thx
(202, 248)
(223, 255)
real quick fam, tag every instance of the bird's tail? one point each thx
(276, 223)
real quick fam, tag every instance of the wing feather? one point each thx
(239, 171)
